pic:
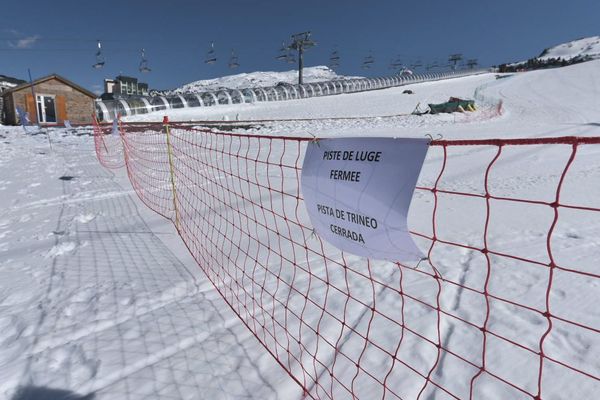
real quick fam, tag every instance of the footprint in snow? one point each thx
(60, 249)
(84, 218)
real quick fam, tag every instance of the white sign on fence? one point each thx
(358, 190)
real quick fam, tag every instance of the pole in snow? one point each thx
(35, 108)
(301, 42)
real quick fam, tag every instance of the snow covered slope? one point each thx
(259, 79)
(561, 101)
(589, 46)
(98, 294)
(99, 297)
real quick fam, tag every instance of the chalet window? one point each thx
(46, 108)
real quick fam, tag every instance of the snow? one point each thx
(99, 295)
(589, 46)
(260, 79)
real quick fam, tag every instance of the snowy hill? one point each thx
(589, 46)
(259, 79)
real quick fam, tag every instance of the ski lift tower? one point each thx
(301, 42)
(472, 63)
(454, 58)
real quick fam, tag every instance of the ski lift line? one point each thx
(109, 50)
(80, 40)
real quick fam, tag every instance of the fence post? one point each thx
(171, 169)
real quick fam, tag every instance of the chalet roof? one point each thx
(47, 78)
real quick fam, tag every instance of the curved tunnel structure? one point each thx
(107, 110)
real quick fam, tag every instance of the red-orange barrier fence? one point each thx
(502, 308)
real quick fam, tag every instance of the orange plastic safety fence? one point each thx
(347, 327)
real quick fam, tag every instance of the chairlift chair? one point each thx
(99, 57)
(396, 64)
(368, 61)
(472, 63)
(233, 60)
(416, 64)
(144, 63)
(210, 55)
(290, 57)
(283, 53)
(334, 59)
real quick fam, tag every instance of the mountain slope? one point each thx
(259, 79)
(589, 46)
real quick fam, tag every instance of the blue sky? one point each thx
(60, 36)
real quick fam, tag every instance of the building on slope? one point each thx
(56, 100)
(123, 86)
(6, 83)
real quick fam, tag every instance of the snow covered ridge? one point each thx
(585, 47)
(107, 110)
(261, 79)
(562, 55)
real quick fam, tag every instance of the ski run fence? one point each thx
(489, 314)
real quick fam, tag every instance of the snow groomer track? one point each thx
(107, 110)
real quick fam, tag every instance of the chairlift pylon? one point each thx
(210, 55)
(233, 60)
(99, 57)
(144, 63)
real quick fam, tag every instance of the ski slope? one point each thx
(98, 296)
(585, 47)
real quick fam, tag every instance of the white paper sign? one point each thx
(358, 190)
